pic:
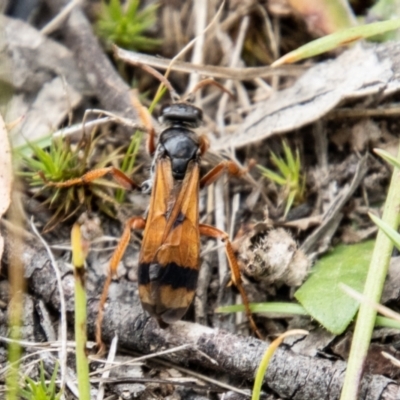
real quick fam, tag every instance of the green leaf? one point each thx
(320, 294)
(387, 229)
(341, 38)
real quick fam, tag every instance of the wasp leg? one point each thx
(132, 223)
(236, 278)
(230, 167)
(204, 144)
(91, 176)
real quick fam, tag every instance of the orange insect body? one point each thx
(170, 253)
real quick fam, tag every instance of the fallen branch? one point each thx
(289, 375)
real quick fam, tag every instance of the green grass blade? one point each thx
(273, 176)
(391, 233)
(113, 10)
(262, 367)
(131, 10)
(266, 308)
(388, 157)
(289, 203)
(290, 309)
(291, 163)
(385, 322)
(373, 290)
(281, 165)
(337, 39)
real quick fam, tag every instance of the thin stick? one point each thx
(79, 128)
(189, 46)
(207, 82)
(233, 63)
(200, 11)
(142, 358)
(63, 308)
(203, 377)
(106, 372)
(160, 77)
(387, 312)
(191, 43)
(59, 18)
(214, 71)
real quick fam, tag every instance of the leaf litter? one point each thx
(341, 184)
(322, 88)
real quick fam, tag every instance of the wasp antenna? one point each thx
(174, 95)
(145, 119)
(207, 82)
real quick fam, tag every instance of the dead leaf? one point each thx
(356, 73)
(5, 174)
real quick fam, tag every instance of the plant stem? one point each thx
(82, 365)
(373, 291)
(16, 305)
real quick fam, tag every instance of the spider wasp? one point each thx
(170, 251)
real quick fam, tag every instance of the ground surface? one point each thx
(333, 111)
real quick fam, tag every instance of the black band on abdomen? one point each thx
(171, 274)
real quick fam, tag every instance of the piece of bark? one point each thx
(44, 113)
(28, 59)
(45, 82)
(289, 375)
(111, 91)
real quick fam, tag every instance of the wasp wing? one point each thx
(169, 261)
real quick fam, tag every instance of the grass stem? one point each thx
(373, 291)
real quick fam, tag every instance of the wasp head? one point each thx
(181, 114)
